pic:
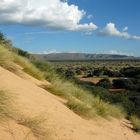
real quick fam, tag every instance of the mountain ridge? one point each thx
(82, 56)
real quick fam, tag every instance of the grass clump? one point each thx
(6, 59)
(106, 109)
(88, 102)
(89, 105)
(135, 122)
(81, 108)
(5, 104)
(28, 67)
(35, 125)
(48, 70)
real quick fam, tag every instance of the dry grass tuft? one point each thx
(135, 122)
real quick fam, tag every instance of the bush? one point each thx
(105, 83)
(47, 69)
(130, 71)
(124, 84)
(69, 74)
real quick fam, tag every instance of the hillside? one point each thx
(59, 123)
(80, 56)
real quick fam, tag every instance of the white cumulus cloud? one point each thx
(111, 30)
(55, 14)
(115, 52)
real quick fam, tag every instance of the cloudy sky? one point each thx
(93, 26)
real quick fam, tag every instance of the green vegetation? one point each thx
(27, 66)
(100, 68)
(9, 59)
(6, 59)
(98, 98)
(83, 99)
(81, 108)
(104, 83)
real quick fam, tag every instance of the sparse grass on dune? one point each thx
(69, 90)
(35, 125)
(5, 104)
(79, 100)
(28, 67)
(7, 111)
(8, 60)
(48, 70)
(89, 105)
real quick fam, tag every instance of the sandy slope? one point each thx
(61, 123)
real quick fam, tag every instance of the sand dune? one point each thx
(60, 122)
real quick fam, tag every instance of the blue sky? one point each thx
(118, 23)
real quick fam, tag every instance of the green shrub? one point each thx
(104, 83)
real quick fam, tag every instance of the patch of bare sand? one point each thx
(61, 123)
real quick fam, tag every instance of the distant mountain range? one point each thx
(81, 56)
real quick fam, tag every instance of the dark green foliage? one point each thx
(127, 83)
(2, 37)
(48, 70)
(69, 74)
(130, 71)
(123, 83)
(8, 45)
(5, 42)
(21, 52)
(105, 83)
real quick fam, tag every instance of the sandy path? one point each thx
(61, 123)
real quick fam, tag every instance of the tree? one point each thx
(105, 83)
(124, 83)
(69, 74)
(2, 37)
(130, 71)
